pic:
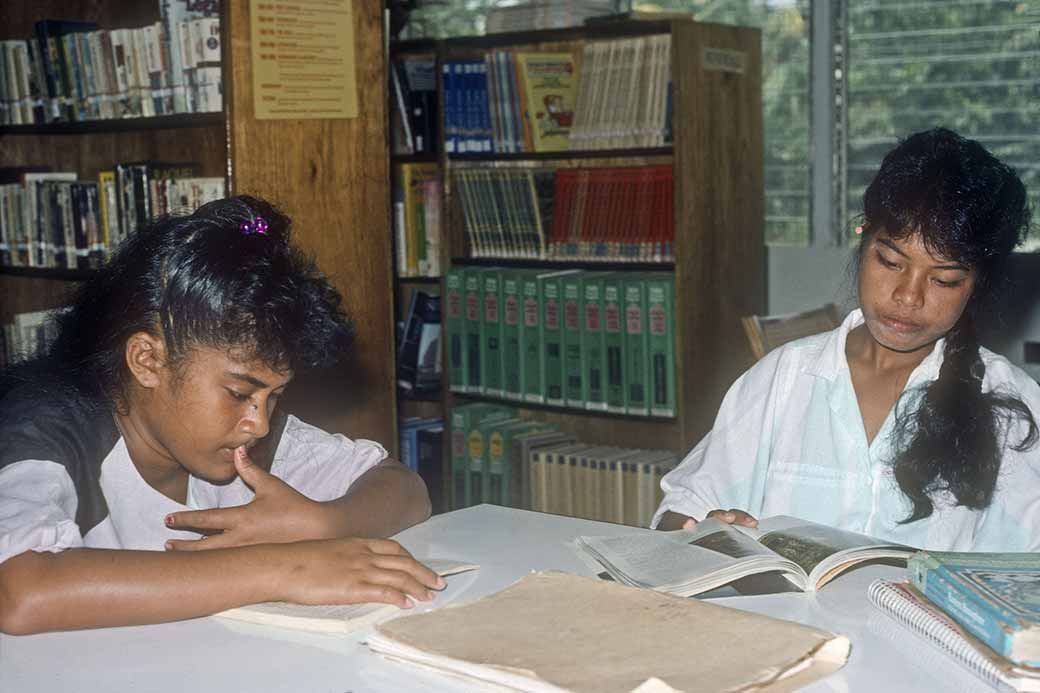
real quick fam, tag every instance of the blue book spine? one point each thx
(484, 106)
(462, 105)
(449, 108)
(983, 619)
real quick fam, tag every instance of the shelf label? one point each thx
(722, 60)
(303, 59)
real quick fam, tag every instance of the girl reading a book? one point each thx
(897, 424)
(145, 474)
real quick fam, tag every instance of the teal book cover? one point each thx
(994, 596)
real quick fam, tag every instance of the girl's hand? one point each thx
(355, 571)
(734, 517)
(671, 521)
(277, 514)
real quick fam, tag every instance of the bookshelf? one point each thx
(716, 161)
(329, 175)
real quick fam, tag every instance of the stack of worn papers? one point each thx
(558, 632)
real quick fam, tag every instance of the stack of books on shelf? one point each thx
(509, 102)
(413, 115)
(605, 214)
(421, 445)
(499, 457)
(616, 95)
(27, 335)
(54, 220)
(418, 221)
(596, 341)
(419, 348)
(983, 609)
(72, 71)
(625, 94)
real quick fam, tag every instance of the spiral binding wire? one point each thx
(886, 596)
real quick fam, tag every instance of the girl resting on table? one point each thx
(145, 474)
(897, 424)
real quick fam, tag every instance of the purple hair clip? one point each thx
(257, 225)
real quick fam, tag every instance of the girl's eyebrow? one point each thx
(895, 249)
(256, 382)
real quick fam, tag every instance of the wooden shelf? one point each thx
(598, 30)
(88, 127)
(424, 158)
(602, 266)
(419, 280)
(571, 411)
(76, 275)
(567, 154)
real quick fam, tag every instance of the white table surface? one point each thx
(210, 654)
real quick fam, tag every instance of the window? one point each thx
(972, 66)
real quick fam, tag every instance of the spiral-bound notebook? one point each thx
(914, 611)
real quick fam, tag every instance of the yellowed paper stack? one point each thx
(557, 632)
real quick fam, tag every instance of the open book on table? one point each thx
(689, 562)
(332, 618)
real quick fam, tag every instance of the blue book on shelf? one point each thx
(994, 596)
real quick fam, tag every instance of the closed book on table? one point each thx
(915, 612)
(994, 596)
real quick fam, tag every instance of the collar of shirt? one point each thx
(831, 363)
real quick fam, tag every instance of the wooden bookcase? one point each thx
(717, 161)
(330, 176)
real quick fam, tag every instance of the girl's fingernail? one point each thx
(441, 583)
(168, 546)
(169, 520)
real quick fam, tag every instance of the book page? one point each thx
(683, 562)
(820, 549)
(332, 618)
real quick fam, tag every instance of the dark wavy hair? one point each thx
(966, 206)
(201, 280)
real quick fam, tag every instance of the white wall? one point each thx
(804, 278)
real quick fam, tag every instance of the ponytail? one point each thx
(954, 440)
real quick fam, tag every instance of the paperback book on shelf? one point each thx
(689, 562)
(558, 632)
(549, 82)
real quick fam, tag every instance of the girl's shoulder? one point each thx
(1002, 375)
(45, 419)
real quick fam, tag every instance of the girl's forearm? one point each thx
(90, 588)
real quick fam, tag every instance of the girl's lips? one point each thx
(897, 325)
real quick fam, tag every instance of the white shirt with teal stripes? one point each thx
(789, 440)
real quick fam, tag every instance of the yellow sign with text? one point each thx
(303, 59)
